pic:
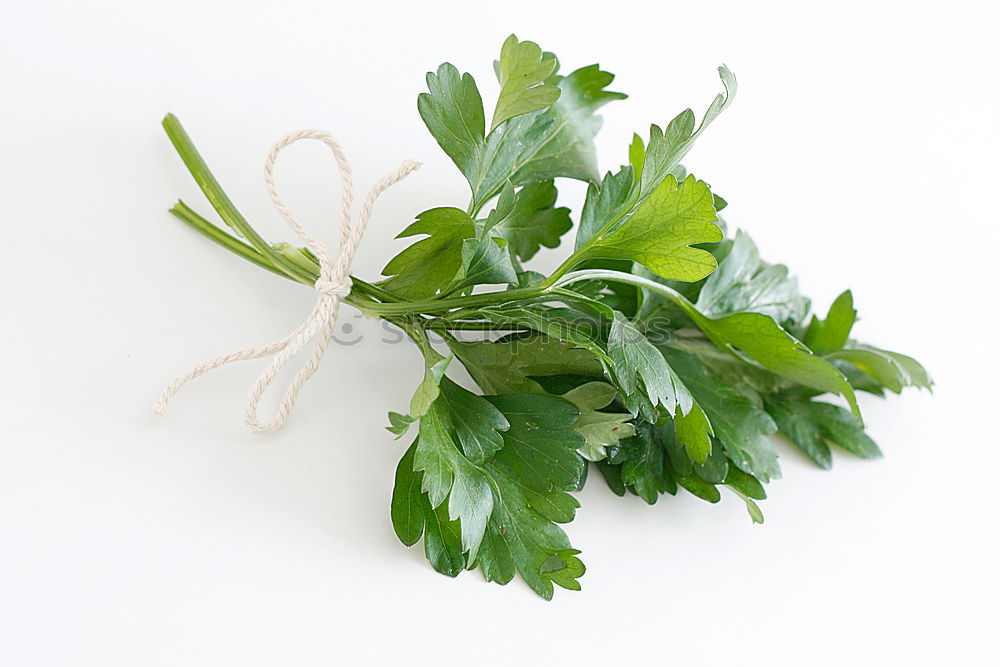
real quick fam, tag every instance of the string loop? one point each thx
(332, 287)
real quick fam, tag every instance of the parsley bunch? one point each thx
(661, 351)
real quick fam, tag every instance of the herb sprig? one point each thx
(661, 351)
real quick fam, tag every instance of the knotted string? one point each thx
(332, 287)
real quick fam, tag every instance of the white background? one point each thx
(861, 150)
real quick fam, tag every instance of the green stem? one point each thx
(630, 279)
(374, 290)
(444, 325)
(186, 214)
(220, 201)
(580, 254)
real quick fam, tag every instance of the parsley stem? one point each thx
(220, 200)
(630, 279)
(186, 214)
(445, 325)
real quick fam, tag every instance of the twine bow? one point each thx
(332, 287)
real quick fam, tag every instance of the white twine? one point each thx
(333, 285)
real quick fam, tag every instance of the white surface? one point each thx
(861, 150)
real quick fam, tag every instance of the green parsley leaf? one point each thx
(644, 471)
(540, 445)
(478, 424)
(640, 367)
(813, 426)
(521, 538)
(831, 334)
(533, 220)
(409, 506)
(763, 340)
(452, 110)
(523, 70)
(485, 262)
(666, 148)
(745, 283)
(429, 388)
(662, 230)
(449, 475)
(738, 424)
(431, 263)
(600, 430)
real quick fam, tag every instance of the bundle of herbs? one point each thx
(662, 352)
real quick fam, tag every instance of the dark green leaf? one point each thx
(409, 505)
(741, 426)
(532, 221)
(539, 448)
(639, 367)
(813, 426)
(476, 421)
(453, 112)
(443, 543)
(449, 475)
(644, 470)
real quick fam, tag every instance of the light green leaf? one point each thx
(600, 429)
(486, 262)
(399, 424)
(591, 395)
(551, 143)
(831, 334)
(626, 189)
(762, 339)
(523, 70)
(564, 568)
(566, 147)
(428, 389)
(660, 233)
(694, 433)
(889, 369)
(752, 508)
